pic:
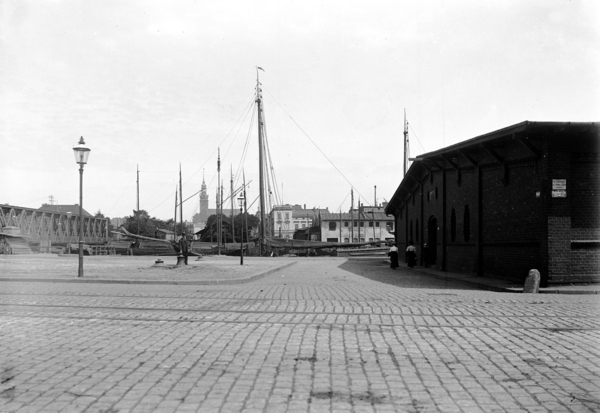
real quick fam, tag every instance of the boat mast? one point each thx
(181, 201)
(352, 212)
(219, 202)
(223, 237)
(138, 199)
(261, 235)
(175, 217)
(231, 198)
(245, 226)
(405, 143)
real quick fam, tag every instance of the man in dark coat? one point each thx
(393, 254)
(183, 248)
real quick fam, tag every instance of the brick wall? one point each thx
(523, 226)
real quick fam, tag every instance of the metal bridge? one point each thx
(53, 227)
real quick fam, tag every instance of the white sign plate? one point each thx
(559, 193)
(559, 184)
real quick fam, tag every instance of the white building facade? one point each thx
(357, 227)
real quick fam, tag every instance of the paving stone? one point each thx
(304, 342)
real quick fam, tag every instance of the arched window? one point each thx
(417, 232)
(467, 224)
(453, 226)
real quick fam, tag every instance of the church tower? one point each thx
(203, 202)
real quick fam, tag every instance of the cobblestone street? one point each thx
(323, 335)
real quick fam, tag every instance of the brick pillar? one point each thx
(559, 214)
(559, 248)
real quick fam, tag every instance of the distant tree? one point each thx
(211, 228)
(149, 226)
(239, 221)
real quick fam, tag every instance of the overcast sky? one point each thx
(156, 83)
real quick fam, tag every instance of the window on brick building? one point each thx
(377, 224)
(467, 224)
(345, 223)
(355, 223)
(370, 223)
(362, 223)
(332, 226)
(453, 226)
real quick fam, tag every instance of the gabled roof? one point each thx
(64, 209)
(448, 157)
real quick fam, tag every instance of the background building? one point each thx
(287, 219)
(368, 225)
(523, 197)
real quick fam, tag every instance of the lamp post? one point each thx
(69, 231)
(81, 156)
(241, 204)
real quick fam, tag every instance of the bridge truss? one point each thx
(53, 227)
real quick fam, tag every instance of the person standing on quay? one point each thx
(393, 257)
(411, 254)
(183, 248)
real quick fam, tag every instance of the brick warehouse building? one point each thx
(526, 196)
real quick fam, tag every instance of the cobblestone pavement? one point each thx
(311, 338)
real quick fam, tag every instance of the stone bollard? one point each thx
(159, 263)
(180, 261)
(532, 282)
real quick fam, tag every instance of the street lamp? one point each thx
(69, 213)
(81, 156)
(241, 204)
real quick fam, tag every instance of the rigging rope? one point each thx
(316, 146)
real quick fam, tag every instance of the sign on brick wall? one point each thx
(559, 188)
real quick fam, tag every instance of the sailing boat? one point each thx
(265, 241)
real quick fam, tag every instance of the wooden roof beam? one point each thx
(448, 159)
(494, 154)
(527, 144)
(437, 165)
(469, 158)
(497, 157)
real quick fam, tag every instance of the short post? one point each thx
(532, 282)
